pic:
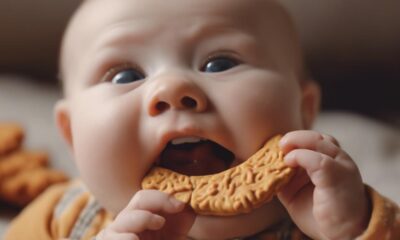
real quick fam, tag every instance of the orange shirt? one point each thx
(69, 211)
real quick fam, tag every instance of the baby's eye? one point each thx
(219, 64)
(127, 76)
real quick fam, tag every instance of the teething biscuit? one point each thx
(234, 191)
(11, 136)
(23, 174)
(20, 161)
(22, 188)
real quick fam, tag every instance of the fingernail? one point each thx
(282, 144)
(288, 158)
(176, 203)
(156, 222)
(282, 141)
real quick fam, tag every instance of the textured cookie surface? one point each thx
(234, 191)
(173, 183)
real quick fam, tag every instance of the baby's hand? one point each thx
(151, 215)
(326, 199)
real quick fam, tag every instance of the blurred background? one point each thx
(352, 47)
(353, 50)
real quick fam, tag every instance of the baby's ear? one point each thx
(310, 102)
(62, 119)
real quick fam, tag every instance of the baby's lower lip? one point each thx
(194, 159)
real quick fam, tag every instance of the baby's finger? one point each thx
(137, 221)
(108, 234)
(321, 168)
(308, 139)
(155, 201)
(296, 184)
(331, 139)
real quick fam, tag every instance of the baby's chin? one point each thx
(212, 227)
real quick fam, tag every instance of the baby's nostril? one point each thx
(189, 102)
(162, 106)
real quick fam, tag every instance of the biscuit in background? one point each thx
(11, 137)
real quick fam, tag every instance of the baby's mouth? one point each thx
(195, 157)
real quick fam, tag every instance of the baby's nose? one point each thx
(178, 93)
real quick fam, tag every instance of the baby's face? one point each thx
(143, 78)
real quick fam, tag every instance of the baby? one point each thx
(196, 86)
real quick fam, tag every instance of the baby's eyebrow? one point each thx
(202, 31)
(119, 35)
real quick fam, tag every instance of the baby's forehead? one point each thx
(99, 12)
(94, 15)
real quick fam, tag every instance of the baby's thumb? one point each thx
(179, 224)
(288, 193)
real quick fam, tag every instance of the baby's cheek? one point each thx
(112, 179)
(104, 154)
